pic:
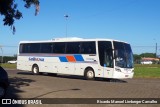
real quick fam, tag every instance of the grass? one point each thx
(141, 71)
(147, 71)
(9, 66)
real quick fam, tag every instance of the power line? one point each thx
(3, 46)
(145, 46)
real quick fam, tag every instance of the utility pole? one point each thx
(156, 50)
(66, 17)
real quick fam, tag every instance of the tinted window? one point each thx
(105, 53)
(24, 48)
(30, 48)
(21, 48)
(121, 45)
(46, 47)
(88, 48)
(59, 47)
(73, 47)
(124, 55)
(34, 48)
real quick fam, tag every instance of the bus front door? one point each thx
(108, 64)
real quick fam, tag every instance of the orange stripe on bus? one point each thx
(70, 58)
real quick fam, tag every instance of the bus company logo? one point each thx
(35, 59)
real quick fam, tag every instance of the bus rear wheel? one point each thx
(89, 74)
(35, 70)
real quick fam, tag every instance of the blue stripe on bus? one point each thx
(78, 57)
(63, 59)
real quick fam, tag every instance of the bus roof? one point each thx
(70, 39)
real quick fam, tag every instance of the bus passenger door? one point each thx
(106, 58)
(107, 72)
(108, 64)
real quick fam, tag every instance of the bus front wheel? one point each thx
(35, 70)
(89, 74)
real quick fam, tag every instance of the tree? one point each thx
(8, 9)
(137, 58)
(151, 55)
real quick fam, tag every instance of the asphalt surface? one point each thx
(25, 85)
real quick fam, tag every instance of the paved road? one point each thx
(26, 85)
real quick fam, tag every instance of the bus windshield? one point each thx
(123, 55)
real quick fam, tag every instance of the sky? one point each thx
(134, 21)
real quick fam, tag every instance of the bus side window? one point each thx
(59, 47)
(35, 48)
(24, 48)
(21, 48)
(73, 48)
(46, 47)
(88, 48)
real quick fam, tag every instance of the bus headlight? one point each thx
(117, 69)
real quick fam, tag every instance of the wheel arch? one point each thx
(37, 72)
(34, 65)
(89, 67)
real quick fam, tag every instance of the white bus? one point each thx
(105, 58)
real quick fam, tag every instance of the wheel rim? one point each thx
(2, 91)
(35, 70)
(90, 74)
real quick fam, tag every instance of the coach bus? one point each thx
(104, 58)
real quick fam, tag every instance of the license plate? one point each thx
(126, 75)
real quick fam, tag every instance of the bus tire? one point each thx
(35, 70)
(89, 74)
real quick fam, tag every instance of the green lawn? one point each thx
(141, 71)
(147, 71)
(9, 66)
